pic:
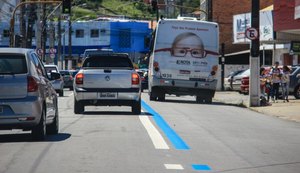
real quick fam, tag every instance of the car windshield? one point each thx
(108, 61)
(51, 69)
(12, 64)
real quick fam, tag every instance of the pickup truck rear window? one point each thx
(108, 61)
(12, 64)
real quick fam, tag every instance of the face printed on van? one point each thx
(187, 45)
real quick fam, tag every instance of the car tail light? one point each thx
(79, 78)
(135, 79)
(32, 85)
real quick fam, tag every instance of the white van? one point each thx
(184, 59)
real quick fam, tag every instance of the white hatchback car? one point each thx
(58, 84)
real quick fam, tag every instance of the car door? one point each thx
(48, 91)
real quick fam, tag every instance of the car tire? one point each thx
(136, 107)
(78, 107)
(39, 132)
(297, 92)
(53, 128)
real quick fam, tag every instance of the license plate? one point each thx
(107, 95)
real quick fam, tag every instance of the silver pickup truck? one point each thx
(107, 80)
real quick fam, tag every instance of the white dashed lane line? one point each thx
(174, 166)
(157, 139)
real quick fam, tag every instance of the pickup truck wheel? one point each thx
(297, 92)
(39, 132)
(136, 108)
(52, 129)
(61, 93)
(78, 107)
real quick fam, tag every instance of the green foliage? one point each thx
(129, 8)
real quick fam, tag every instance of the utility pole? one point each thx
(59, 42)
(254, 56)
(23, 25)
(209, 11)
(70, 41)
(44, 33)
(31, 19)
(222, 65)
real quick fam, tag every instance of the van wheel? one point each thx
(297, 92)
(78, 107)
(136, 108)
(53, 128)
(39, 132)
(207, 100)
(161, 98)
(152, 97)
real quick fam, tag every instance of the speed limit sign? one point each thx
(251, 33)
(40, 52)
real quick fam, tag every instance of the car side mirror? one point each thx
(54, 76)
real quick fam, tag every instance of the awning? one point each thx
(269, 8)
(262, 47)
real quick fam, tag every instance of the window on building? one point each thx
(5, 33)
(94, 33)
(79, 33)
(125, 38)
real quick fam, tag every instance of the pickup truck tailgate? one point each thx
(100, 78)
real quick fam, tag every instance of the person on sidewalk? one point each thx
(285, 81)
(276, 75)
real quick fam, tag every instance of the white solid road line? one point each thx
(157, 140)
(173, 166)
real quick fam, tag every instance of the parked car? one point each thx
(236, 80)
(58, 84)
(28, 100)
(67, 78)
(227, 80)
(294, 86)
(295, 81)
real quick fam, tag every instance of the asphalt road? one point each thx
(177, 135)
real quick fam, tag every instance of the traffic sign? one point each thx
(251, 33)
(52, 50)
(40, 52)
(52, 55)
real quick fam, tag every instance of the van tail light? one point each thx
(135, 79)
(32, 85)
(214, 70)
(79, 78)
(156, 66)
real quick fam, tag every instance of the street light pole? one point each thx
(12, 20)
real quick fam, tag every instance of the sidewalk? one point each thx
(288, 110)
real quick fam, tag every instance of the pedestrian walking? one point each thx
(285, 81)
(276, 75)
